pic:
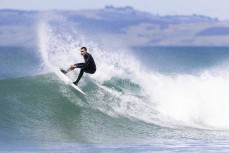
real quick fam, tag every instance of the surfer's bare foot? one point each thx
(63, 71)
(75, 83)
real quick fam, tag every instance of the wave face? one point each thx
(42, 108)
(137, 94)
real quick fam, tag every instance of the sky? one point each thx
(211, 8)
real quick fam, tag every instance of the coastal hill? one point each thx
(133, 26)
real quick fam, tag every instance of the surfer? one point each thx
(88, 67)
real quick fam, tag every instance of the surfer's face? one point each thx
(83, 52)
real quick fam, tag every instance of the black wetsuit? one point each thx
(88, 67)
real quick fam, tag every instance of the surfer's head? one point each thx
(83, 51)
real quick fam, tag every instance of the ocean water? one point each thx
(141, 99)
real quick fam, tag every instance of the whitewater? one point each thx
(142, 99)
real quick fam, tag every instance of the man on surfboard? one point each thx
(88, 67)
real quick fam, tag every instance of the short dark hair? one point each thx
(84, 48)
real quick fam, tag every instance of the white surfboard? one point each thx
(65, 78)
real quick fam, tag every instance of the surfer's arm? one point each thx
(84, 65)
(79, 65)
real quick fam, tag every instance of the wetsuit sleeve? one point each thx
(84, 65)
(80, 65)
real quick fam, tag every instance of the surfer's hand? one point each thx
(73, 66)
